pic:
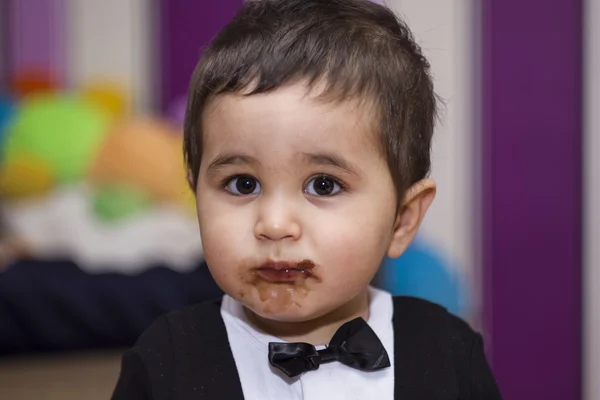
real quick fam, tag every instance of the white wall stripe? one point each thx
(114, 40)
(591, 211)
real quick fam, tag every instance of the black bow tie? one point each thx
(353, 344)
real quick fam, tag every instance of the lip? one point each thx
(285, 271)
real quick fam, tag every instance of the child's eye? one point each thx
(323, 185)
(242, 185)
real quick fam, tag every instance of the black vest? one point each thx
(186, 355)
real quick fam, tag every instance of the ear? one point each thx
(417, 200)
(189, 177)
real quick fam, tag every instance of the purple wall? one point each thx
(186, 27)
(4, 59)
(532, 65)
(37, 36)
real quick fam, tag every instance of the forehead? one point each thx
(289, 119)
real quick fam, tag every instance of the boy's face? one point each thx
(296, 204)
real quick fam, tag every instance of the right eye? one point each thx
(242, 185)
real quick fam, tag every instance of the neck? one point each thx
(318, 331)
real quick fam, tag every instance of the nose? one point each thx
(277, 221)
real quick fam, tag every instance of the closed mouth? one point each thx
(285, 271)
(304, 265)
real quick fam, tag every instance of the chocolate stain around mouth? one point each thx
(278, 297)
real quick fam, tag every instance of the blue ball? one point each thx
(7, 112)
(421, 272)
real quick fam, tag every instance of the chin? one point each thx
(290, 313)
(287, 316)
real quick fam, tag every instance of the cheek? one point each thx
(217, 218)
(221, 235)
(222, 254)
(222, 232)
(355, 243)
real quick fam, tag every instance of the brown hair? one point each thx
(355, 47)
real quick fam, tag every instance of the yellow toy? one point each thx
(111, 98)
(25, 176)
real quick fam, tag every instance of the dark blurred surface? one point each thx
(55, 306)
(87, 375)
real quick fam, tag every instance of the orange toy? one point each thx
(25, 83)
(143, 153)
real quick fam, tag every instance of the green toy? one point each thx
(62, 131)
(113, 203)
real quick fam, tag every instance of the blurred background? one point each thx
(98, 235)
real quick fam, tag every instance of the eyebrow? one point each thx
(224, 160)
(333, 160)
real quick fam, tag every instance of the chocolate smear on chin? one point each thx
(278, 297)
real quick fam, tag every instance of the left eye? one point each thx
(323, 185)
(243, 185)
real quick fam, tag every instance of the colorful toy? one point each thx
(145, 154)
(7, 112)
(421, 272)
(108, 96)
(63, 132)
(116, 202)
(32, 82)
(23, 175)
